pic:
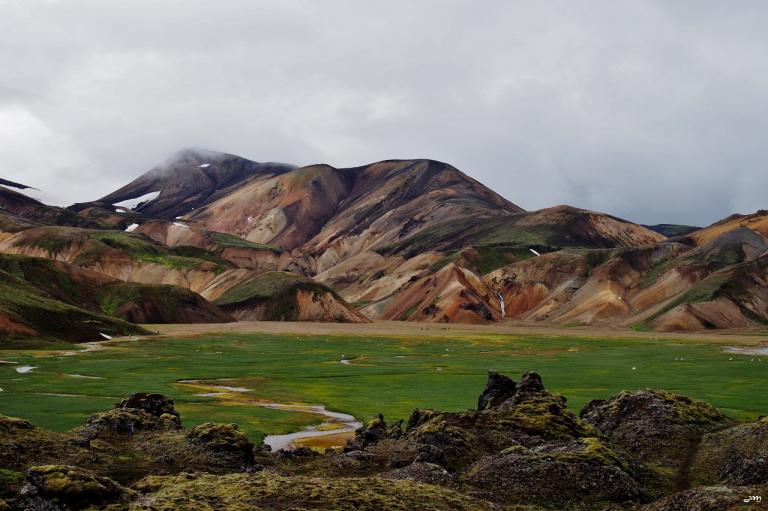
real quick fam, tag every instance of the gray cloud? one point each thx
(655, 111)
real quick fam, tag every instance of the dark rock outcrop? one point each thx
(154, 404)
(556, 475)
(226, 439)
(374, 431)
(657, 429)
(141, 411)
(735, 456)
(53, 487)
(498, 389)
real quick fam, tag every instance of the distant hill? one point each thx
(672, 230)
(398, 240)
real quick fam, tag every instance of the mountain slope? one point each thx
(280, 296)
(26, 311)
(334, 213)
(19, 204)
(189, 180)
(101, 294)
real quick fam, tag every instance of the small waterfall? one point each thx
(501, 304)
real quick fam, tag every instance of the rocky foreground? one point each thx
(521, 449)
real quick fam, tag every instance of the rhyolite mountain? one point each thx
(399, 240)
(190, 179)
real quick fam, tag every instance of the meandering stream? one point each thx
(336, 424)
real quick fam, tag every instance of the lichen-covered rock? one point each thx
(735, 456)
(656, 429)
(709, 498)
(529, 415)
(498, 389)
(154, 404)
(557, 474)
(13, 423)
(70, 487)
(444, 443)
(267, 490)
(374, 431)
(649, 411)
(223, 438)
(422, 472)
(127, 421)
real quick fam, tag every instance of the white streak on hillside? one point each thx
(137, 201)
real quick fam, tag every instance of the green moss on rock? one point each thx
(71, 486)
(267, 490)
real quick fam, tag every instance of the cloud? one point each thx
(654, 111)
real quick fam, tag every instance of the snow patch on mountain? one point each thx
(138, 201)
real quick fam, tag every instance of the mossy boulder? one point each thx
(14, 424)
(428, 473)
(127, 421)
(735, 456)
(559, 475)
(650, 410)
(374, 431)
(154, 404)
(446, 444)
(70, 486)
(223, 438)
(657, 429)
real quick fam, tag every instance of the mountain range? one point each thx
(209, 237)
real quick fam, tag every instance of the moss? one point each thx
(199, 253)
(705, 291)
(266, 490)
(111, 297)
(586, 450)
(73, 486)
(408, 312)
(231, 241)
(275, 291)
(222, 437)
(12, 423)
(170, 261)
(543, 417)
(690, 411)
(593, 451)
(10, 476)
(47, 317)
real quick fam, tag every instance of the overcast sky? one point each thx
(655, 111)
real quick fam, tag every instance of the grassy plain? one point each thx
(414, 366)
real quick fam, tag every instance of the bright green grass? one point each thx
(393, 376)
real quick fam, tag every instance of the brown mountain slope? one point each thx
(285, 210)
(137, 259)
(334, 214)
(667, 286)
(281, 296)
(757, 222)
(189, 180)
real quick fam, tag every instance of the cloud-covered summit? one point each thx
(653, 111)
